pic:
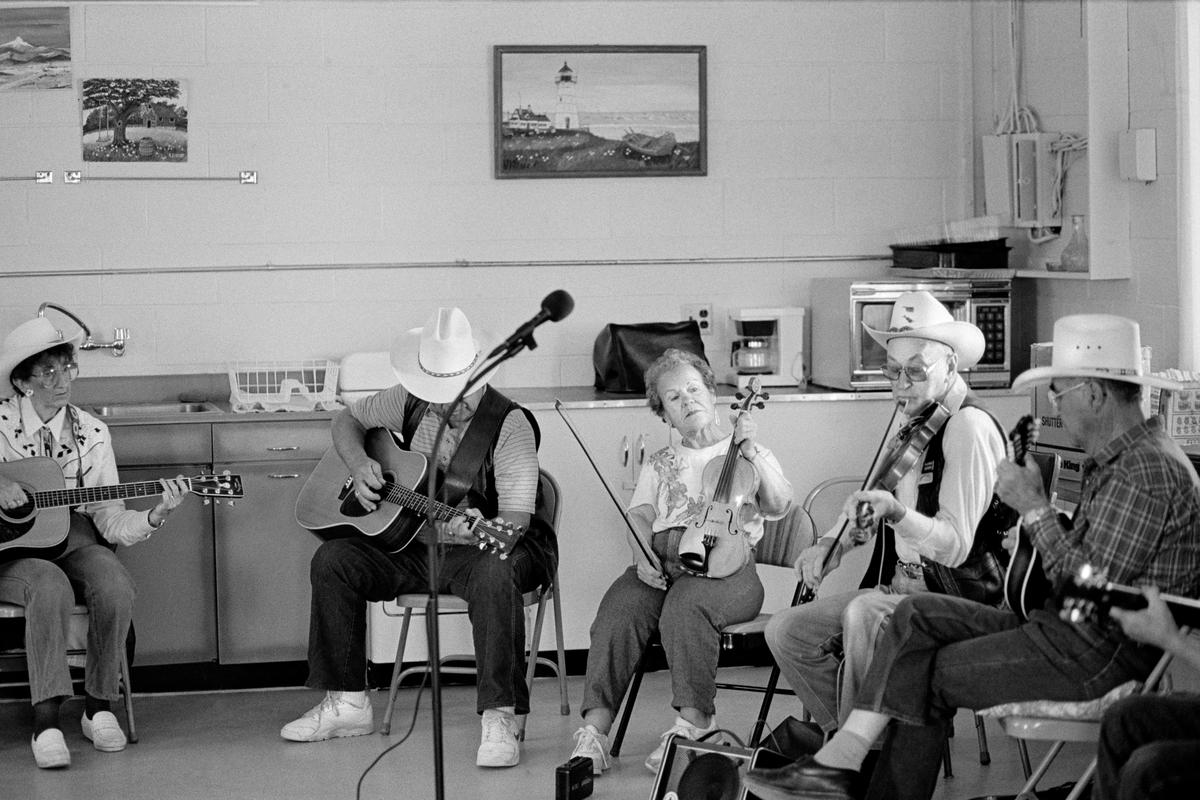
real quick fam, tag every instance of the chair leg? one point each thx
(947, 767)
(760, 724)
(1084, 779)
(630, 698)
(531, 658)
(394, 685)
(985, 757)
(1043, 766)
(128, 686)
(1023, 750)
(564, 704)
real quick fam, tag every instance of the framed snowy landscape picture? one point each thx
(599, 111)
(35, 48)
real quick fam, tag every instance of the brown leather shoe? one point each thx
(804, 778)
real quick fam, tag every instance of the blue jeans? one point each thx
(48, 590)
(1149, 747)
(941, 653)
(347, 573)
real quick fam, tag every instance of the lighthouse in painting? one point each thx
(566, 113)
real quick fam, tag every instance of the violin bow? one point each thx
(809, 593)
(643, 545)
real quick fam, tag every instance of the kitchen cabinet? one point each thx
(262, 555)
(175, 610)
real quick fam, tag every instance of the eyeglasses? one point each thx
(1054, 396)
(49, 377)
(914, 372)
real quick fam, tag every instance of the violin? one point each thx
(906, 451)
(715, 545)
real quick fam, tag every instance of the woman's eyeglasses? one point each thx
(1054, 396)
(48, 378)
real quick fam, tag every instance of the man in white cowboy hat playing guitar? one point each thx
(433, 364)
(942, 525)
(1138, 518)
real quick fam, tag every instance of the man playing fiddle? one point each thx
(1138, 519)
(942, 525)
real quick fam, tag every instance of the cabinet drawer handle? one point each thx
(283, 475)
(624, 451)
(641, 448)
(281, 449)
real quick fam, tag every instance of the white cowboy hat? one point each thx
(919, 315)
(28, 339)
(434, 362)
(1094, 346)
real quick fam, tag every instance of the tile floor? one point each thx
(226, 745)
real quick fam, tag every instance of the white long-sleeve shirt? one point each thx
(85, 456)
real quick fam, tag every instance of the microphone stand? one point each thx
(495, 359)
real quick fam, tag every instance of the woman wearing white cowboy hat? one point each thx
(37, 419)
(433, 364)
(1138, 519)
(938, 518)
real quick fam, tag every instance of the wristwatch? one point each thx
(1034, 514)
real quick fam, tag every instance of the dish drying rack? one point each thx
(309, 385)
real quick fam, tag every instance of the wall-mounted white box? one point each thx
(1137, 154)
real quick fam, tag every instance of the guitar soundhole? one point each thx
(16, 522)
(352, 508)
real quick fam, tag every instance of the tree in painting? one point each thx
(116, 104)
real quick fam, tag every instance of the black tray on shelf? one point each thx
(991, 254)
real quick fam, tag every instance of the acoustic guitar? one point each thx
(327, 505)
(39, 527)
(1026, 586)
(1088, 595)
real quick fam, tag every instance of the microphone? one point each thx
(555, 306)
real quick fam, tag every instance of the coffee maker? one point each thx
(768, 343)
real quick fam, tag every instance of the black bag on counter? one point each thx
(623, 352)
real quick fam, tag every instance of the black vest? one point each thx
(981, 576)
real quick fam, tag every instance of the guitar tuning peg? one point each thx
(504, 556)
(739, 394)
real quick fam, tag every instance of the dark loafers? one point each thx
(804, 778)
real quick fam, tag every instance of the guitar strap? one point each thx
(472, 449)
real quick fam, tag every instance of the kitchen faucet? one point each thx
(120, 335)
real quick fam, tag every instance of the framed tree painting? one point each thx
(599, 111)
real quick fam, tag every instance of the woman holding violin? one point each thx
(656, 595)
(930, 499)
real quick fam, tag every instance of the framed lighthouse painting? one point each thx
(599, 111)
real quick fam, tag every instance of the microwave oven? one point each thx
(844, 356)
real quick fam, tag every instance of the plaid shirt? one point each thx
(1138, 516)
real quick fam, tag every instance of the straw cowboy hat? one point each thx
(434, 362)
(28, 339)
(1094, 346)
(918, 315)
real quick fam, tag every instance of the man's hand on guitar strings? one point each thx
(11, 494)
(1020, 487)
(368, 479)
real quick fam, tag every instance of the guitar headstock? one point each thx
(1088, 596)
(497, 535)
(752, 397)
(219, 487)
(1023, 436)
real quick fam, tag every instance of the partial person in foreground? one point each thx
(1138, 519)
(686, 610)
(1150, 744)
(489, 449)
(940, 529)
(38, 420)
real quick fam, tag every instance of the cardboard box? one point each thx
(1180, 412)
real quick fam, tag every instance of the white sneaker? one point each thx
(683, 729)
(332, 717)
(593, 744)
(103, 732)
(50, 749)
(498, 746)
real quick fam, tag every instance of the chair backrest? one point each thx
(824, 501)
(784, 538)
(550, 495)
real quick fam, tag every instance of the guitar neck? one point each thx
(1185, 610)
(57, 498)
(418, 502)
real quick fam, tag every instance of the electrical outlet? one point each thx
(702, 313)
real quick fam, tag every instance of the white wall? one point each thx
(831, 124)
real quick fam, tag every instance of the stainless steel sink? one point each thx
(152, 409)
